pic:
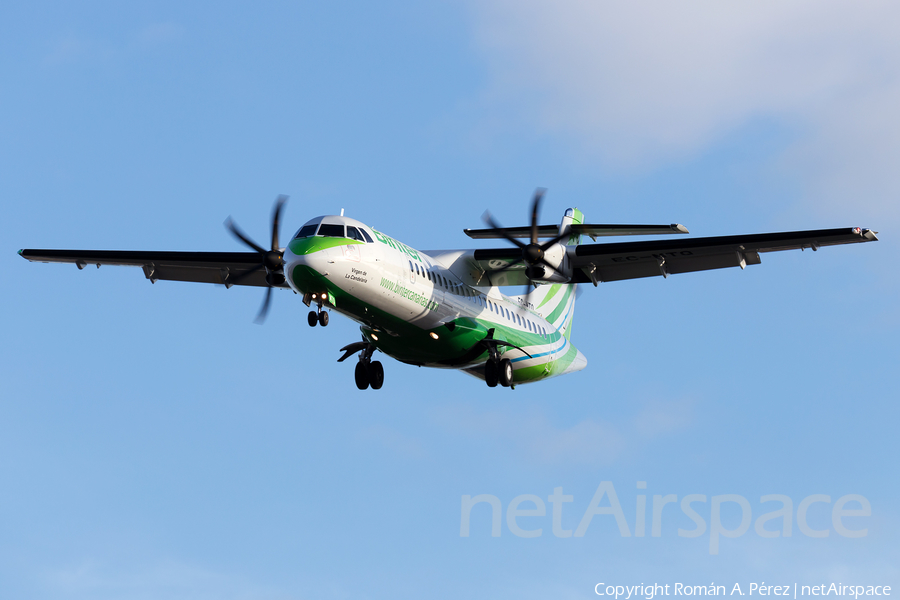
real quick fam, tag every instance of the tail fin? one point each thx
(556, 302)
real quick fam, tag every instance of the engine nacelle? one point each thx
(561, 271)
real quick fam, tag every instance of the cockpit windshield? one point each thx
(331, 230)
(308, 230)
(338, 230)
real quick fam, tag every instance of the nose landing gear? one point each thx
(317, 316)
(320, 317)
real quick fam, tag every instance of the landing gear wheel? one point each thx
(312, 318)
(376, 375)
(505, 372)
(491, 373)
(323, 318)
(362, 376)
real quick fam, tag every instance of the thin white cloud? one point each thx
(662, 417)
(639, 84)
(536, 438)
(158, 34)
(167, 579)
(393, 440)
(73, 49)
(81, 49)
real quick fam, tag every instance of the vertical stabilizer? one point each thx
(556, 302)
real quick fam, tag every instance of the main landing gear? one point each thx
(498, 371)
(368, 372)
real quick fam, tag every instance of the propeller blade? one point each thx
(235, 230)
(529, 287)
(535, 209)
(487, 218)
(276, 218)
(272, 260)
(239, 278)
(555, 240)
(264, 309)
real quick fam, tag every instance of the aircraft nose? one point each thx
(304, 270)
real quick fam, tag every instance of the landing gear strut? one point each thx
(368, 372)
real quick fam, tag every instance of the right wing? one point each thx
(203, 267)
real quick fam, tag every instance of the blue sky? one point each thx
(155, 442)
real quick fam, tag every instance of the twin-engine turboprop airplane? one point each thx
(444, 308)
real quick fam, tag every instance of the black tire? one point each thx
(362, 375)
(505, 372)
(323, 318)
(376, 375)
(312, 318)
(491, 373)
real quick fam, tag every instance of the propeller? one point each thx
(533, 253)
(270, 260)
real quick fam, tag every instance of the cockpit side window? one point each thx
(354, 234)
(369, 239)
(331, 230)
(307, 231)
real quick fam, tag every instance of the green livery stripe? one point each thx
(563, 303)
(309, 245)
(554, 289)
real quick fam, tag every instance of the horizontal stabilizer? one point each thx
(592, 231)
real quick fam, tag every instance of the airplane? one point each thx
(445, 308)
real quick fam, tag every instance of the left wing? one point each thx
(595, 263)
(226, 268)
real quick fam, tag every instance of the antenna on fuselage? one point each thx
(342, 212)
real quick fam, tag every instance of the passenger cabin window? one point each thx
(307, 231)
(331, 230)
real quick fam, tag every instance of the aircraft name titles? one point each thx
(389, 241)
(357, 275)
